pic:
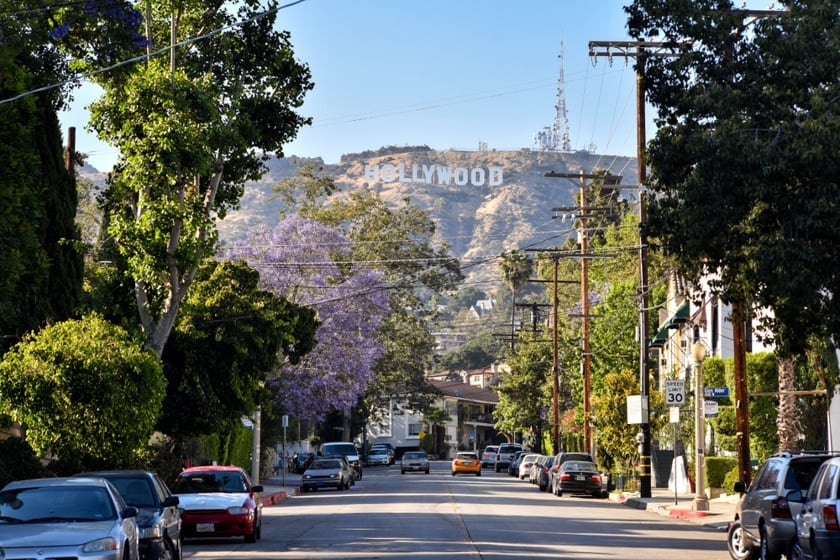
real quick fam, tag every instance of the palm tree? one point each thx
(435, 418)
(516, 268)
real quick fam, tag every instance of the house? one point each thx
(469, 407)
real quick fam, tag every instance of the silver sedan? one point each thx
(66, 518)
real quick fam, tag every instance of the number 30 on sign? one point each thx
(674, 392)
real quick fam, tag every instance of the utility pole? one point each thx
(556, 435)
(586, 372)
(640, 50)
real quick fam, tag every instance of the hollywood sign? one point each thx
(433, 175)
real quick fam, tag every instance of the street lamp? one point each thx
(701, 503)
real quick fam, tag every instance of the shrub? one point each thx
(717, 468)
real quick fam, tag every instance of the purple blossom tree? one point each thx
(307, 263)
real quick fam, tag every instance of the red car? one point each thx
(218, 501)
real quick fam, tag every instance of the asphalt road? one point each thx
(435, 516)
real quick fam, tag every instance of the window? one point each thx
(414, 429)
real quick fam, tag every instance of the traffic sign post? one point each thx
(674, 392)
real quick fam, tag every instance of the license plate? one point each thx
(204, 528)
(467, 463)
(580, 477)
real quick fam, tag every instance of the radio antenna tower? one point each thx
(556, 138)
(560, 128)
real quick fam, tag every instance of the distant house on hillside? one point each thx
(482, 308)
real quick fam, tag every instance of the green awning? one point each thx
(679, 317)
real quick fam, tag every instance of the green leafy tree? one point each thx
(70, 384)
(231, 335)
(525, 393)
(212, 112)
(614, 437)
(744, 162)
(40, 254)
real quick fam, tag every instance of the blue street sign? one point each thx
(715, 391)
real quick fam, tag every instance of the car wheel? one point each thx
(427, 471)
(453, 473)
(736, 542)
(402, 471)
(168, 550)
(795, 552)
(764, 551)
(478, 473)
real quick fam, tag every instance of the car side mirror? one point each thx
(740, 487)
(171, 501)
(130, 511)
(257, 489)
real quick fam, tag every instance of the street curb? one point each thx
(278, 497)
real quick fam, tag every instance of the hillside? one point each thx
(484, 203)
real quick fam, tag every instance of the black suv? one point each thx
(763, 524)
(158, 517)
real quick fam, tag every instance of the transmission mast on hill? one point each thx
(556, 138)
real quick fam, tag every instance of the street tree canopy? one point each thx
(192, 128)
(746, 155)
(83, 390)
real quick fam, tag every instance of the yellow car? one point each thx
(466, 462)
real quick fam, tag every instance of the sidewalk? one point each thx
(662, 501)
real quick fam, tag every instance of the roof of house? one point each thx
(465, 391)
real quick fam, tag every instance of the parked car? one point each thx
(301, 461)
(488, 456)
(466, 462)
(513, 467)
(332, 472)
(764, 515)
(414, 461)
(380, 454)
(219, 501)
(71, 517)
(158, 518)
(578, 477)
(504, 455)
(544, 465)
(561, 458)
(536, 467)
(525, 465)
(348, 450)
(817, 523)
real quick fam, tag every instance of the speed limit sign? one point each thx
(674, 392)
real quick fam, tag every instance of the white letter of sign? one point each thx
(495, 176)
(371, 173)
(389, 173)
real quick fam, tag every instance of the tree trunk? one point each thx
(788, 430)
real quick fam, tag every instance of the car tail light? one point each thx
(565, 477)
(830, 516)
(596, 478)
(780, 509)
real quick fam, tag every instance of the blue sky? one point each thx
(447, 74)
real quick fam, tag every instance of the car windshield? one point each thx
(414, 455)
(135, 491)
(201, 482)
(378, 450)
(467, 456)
(322, 465)
(56, 503)
(339, 449)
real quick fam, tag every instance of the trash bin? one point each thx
(619, 483)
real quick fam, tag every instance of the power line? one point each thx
(153, 53)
